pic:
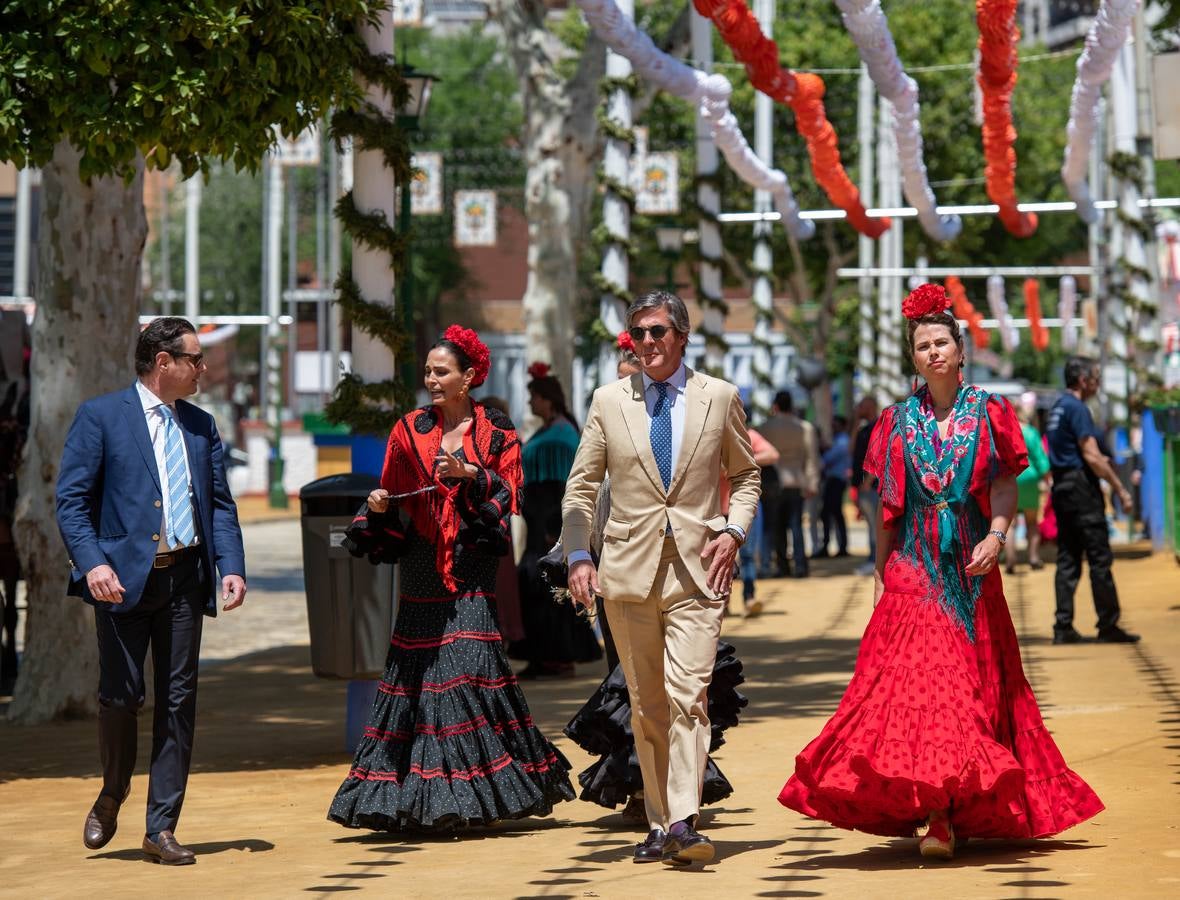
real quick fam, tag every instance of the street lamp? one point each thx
(670, 240)
(409, 115)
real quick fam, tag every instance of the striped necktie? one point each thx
(180, 508)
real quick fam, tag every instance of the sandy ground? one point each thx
(269, 757)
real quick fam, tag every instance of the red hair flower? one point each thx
(925, 300)
(625, 343)
(538, 370)
(468, 341)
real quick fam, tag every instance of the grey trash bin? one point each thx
(350, 602)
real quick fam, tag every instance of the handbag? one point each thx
(381, 537)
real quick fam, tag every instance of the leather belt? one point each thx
(165, 560)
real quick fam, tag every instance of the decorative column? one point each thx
(763, 295)
(617, 203)
(192, 248)
(891, 383)
(709, 298)
(866, 248)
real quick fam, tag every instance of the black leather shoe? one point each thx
(167, 851)
(1067, 637)
(652, 849)
(101, 822)
(685, 846)
(1116, 635)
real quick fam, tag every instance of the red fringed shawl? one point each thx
(490, 444)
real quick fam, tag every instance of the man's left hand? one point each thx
(722, 551)
(233, 591)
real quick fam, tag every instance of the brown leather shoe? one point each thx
(167, 851)
(101, 822)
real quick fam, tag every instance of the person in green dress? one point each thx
(1028, 485)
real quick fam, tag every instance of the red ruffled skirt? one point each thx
(932, 721)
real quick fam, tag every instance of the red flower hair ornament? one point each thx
(925, 300)
(477, 351)
(538, 370)
(625, 343)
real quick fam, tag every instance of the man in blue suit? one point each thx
(147, 517)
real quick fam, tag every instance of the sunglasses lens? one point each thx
(658, 332)
(636, 334)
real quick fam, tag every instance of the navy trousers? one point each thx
(168, 619)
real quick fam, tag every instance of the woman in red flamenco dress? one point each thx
(939, 725)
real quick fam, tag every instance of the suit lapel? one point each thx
(634, 411)
(137, 422)
(696, 410)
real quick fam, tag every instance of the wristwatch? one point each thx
(999, 536)
(736, 533)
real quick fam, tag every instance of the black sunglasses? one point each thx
(195, 358)
(638, 331)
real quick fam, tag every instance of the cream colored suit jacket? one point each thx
(617, 438)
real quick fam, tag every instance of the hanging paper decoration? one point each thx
(1067, 309)
(1032, 308)
(998, 304)
(966, 311)
(708, 92)
(998, 37)
(426, 186)
(658, 192)
(1108, 34)
(802, 93)
(475, 218)
(869, 29)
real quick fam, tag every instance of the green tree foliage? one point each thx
(189, 79)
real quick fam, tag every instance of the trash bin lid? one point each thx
(336, 495)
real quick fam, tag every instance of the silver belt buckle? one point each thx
(162, 561)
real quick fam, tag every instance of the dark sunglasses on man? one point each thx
(195, 358)
(657, 332)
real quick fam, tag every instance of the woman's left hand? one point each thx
(984, 556)
(449, 466)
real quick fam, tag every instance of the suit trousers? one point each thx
(168, 618)
(789, 517)
(667, 647)
(1082, 532)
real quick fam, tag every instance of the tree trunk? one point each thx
(560, 148)
(88, 289)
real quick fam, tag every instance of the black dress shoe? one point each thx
(167, 851)
(652, 849)
(685, 846)
(101, 822)
(1067, 637)
(1116, 635)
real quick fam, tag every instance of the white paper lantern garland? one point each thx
(1108, 33)
(866, 23)
(1067, 308)
(998, 304)
(708, 92)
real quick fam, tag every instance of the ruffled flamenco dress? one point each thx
(938, 714)
(602, 727)
(450, 741)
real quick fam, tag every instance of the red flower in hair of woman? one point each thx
(538, 370)
(925, 300)
(468, 341)
(625, 343)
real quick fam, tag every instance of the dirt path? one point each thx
(268, 759)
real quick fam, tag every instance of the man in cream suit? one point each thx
(667, 436)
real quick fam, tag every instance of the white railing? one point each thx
(510, 360)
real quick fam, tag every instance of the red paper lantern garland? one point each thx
(803, 93)
(998, 37)
(965, 310)
(1032, 308)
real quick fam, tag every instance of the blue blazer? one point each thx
(110, 504)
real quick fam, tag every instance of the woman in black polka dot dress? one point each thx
(450, 742)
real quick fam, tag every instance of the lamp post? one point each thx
(409, 116)
(670, 240)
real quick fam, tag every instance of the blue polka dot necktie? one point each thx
(180, 508)
(661, 432)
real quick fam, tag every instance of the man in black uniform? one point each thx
(1077, 465)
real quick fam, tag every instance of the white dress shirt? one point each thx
(155, 424)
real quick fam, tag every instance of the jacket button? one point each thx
(661, 532)
(157, 504)
(155, 537)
